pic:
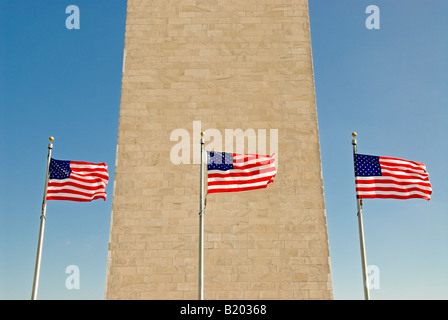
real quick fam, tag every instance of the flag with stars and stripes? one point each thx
(77, 180)
(232, 172)
(384, 177)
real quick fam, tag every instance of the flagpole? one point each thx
(201, 225)
(361, 232)
(42, 226)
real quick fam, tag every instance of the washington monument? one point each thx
(243, 72)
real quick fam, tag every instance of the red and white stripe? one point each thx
(250, 171)
(87, 182)
(401, 179)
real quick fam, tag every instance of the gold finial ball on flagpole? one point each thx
(354, 134)
(51, 139)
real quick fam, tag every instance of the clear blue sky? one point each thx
(390, 85)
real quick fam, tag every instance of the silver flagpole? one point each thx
(201, 224)
(361, 232)
(42, 227)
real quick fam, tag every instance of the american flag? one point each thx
(77, 180)
(232, 172)
(384, 177)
